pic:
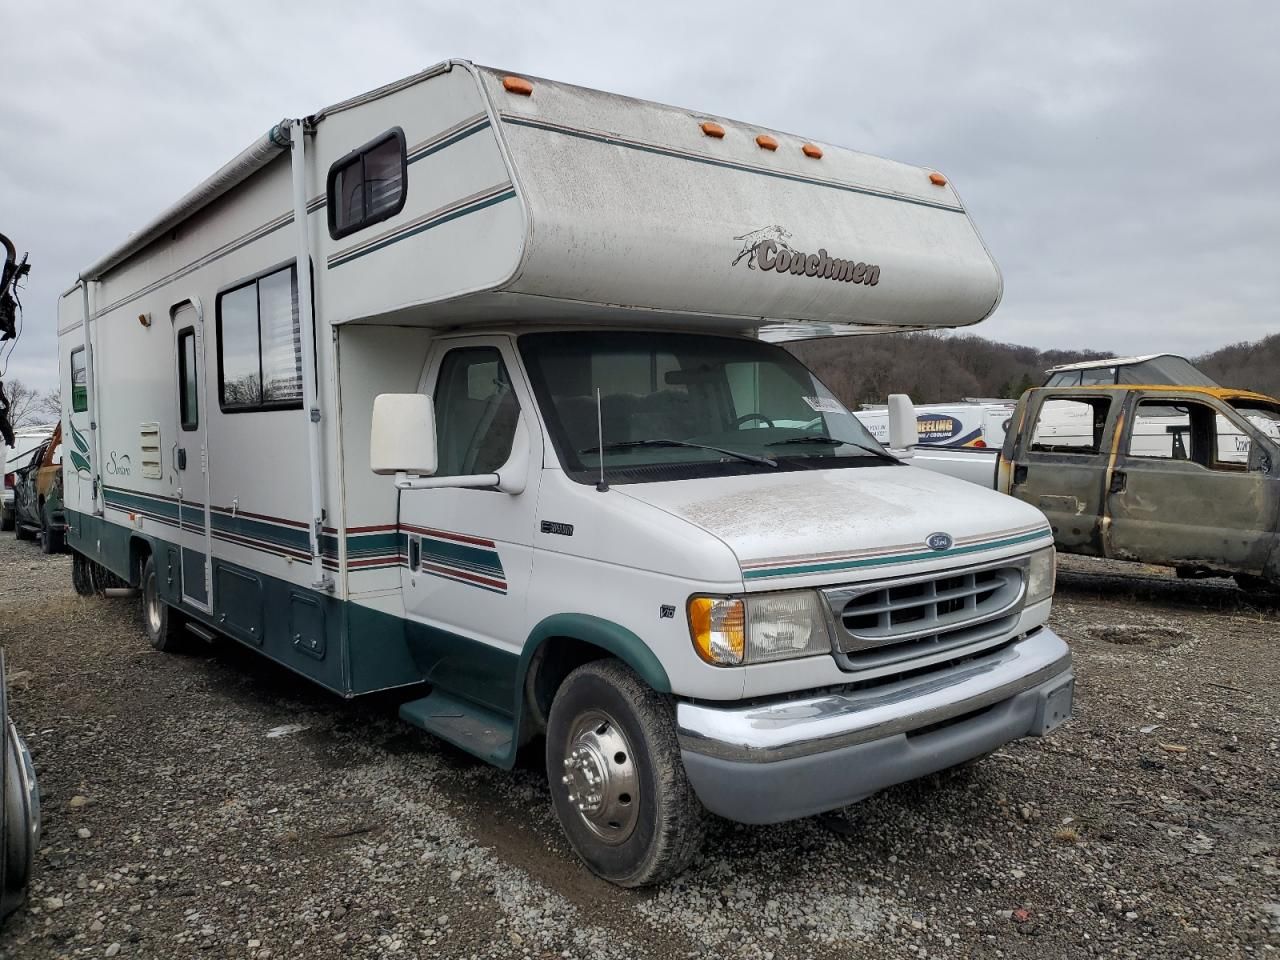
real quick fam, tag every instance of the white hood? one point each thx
(830, 526)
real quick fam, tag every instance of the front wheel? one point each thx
(159, 622)
(617, 783)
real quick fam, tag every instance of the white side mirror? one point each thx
(903, 432)
(403, 439)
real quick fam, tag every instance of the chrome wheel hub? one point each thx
(601, 778)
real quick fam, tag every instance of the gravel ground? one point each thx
(213, 805)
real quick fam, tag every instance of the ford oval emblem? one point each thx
(939, 541)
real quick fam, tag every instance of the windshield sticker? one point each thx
(825, 405)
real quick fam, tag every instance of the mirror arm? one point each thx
(480, 481)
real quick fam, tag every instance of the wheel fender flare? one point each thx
(606, 635)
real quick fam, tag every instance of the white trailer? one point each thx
(463, 386)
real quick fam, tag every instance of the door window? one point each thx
(476, 412)
(1187, 430)
(188, 395)
(1070, 426)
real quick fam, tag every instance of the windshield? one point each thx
(675, 406)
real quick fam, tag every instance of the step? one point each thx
(478, 730)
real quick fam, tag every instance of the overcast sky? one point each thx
(1121, 160)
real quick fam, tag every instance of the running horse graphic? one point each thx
(752, 240)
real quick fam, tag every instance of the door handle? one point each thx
(182, 458)
(1020, 474)
(1119, 480)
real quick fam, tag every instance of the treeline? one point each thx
(934, 368)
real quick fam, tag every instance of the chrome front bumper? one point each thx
(767, 762)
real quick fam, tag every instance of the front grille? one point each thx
(881, 625)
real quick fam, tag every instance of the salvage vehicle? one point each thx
(37, 500)
(18, 455)
(464, 388)
(1180, 476)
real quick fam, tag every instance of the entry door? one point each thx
(1189, 500)
(1061, 468)
(470, 551)
(191, 456)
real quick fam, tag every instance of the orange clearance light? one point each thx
(517, 85)
(766, 142)
(812, 150)
(937, 179)
(713, 129)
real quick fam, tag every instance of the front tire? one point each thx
(82, 574)
(617, 783)
(160, 623)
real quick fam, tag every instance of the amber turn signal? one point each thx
(517, 85)
(937, 179)
(712, 129)
(766, 142)
(812, 150)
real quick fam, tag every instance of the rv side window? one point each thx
(1070, 426)
(188, 396)
(260, 345)
(79, 382)
(368, 185)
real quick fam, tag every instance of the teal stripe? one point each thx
(835, 565)
(448, 142)
(374, 544)
(422, 228)
(728, 164)
(475, 559)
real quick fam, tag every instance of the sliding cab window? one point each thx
(79, 382)
(260, 344)
(368, 185)
(188, 388)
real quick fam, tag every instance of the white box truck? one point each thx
(464, 387)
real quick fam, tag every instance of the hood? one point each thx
(829, 526)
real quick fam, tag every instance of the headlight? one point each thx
(759, 628)
(1041, 575)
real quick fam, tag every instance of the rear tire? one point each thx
(6, 520)
(20, 532)
(160, 623)
(82, 575)
(617, 783)
(50, 540)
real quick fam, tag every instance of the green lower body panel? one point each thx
(345, 647)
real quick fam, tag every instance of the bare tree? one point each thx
(49, 406)
(25, 405)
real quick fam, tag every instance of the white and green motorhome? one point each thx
(465, 387)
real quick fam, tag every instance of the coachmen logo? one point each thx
(770, 247)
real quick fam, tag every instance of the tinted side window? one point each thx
(1070, 426)
(368, 185)
(188, 389)
(476, 412)
(79, 382)
(260, 344)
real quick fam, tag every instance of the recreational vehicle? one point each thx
(466, 388)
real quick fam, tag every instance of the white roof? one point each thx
(1109, 362)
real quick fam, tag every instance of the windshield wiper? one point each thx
(632, 444)
(833, 442)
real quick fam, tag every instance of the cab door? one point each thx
(190, 455)
(1059, 462)
(470, 551)
(1181, 495)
